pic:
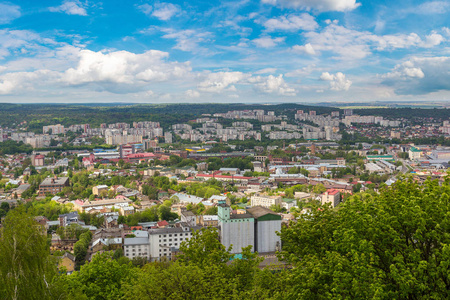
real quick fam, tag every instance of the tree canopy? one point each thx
(392, 245)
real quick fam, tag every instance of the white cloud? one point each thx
(432, 7)
(446, 30)
(19, 42)
(272, 85)
(319, 5)
(434, 39)
(19, 82)
(338, 82)
(146, 8)
(291, 23)
(221, 81)
(266, 71)
(420, 75)
(187, 40)
(403, 70)
(353, 44)
(122, 67)
(165, 11)
(308, 49)
(268, 42)
(192, 94)
(302, 72)
(8, 12)
(70, 8)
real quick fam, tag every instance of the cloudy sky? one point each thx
(224, 51)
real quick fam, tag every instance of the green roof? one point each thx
(288, 200)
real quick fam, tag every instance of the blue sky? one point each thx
(224, 51)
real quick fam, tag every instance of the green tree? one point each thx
(80, 248)
(102, 278)
(392, 245)
(319, 189)
(27, 271)
(204, 248)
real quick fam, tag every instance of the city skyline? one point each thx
(233, 51)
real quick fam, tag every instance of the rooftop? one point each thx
(241, 216)
(55, 181)
(259, 211)
(135, 241)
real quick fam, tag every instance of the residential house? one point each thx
(53, 185)
(97, 190)
(67, 261)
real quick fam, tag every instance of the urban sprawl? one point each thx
(149, 188)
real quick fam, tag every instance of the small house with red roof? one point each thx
(162, 224)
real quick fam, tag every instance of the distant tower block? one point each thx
(348, 112)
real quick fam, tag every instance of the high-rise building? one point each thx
(168, 138)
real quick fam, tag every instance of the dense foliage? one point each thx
(12, 147)
(392, 245)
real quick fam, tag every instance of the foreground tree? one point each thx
(102, 278)
(27, 271)
(395, 245)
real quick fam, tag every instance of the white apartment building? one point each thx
(136, 247)
(56, 129)
(265, 201)
(165, 241)
(123, 139)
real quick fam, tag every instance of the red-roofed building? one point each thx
(223, 177)
(162, 224)
(331, 196)
(140, 157)
(38, 160)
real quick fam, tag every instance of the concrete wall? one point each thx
(237, 232)
(266, 237)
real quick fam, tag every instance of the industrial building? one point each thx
(257, 227)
